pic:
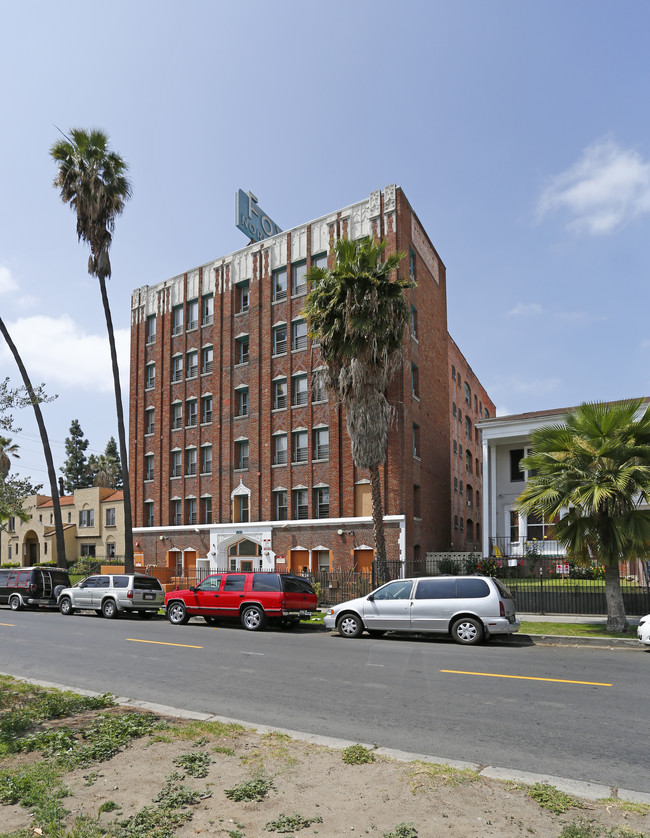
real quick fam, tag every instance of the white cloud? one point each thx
(524, 309)
(607, 187)
(60, 353)
(7, 282)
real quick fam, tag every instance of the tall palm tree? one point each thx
(358, 313)
(8, 449)
(92, 179)
(47, 451)
(593, 478)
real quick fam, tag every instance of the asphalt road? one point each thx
(572, 712)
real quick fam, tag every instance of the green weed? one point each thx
(587, 829)
(402, 830)
(153, 822)
(357, 755)
(255, 789)
(291, 823)
(553, 799)
(176, 797)
(424, 775)
(37, 788)
(196, 765)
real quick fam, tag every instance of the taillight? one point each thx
(129, 595)
(502, 610)
(32, 587)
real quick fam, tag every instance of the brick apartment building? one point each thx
(239, 459)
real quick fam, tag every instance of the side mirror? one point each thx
(81, 584)
(371, 597)
(193, 589)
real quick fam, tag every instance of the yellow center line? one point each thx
(160, 643)
(527, 678)
(13, 625)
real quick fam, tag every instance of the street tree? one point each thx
(591, 477)
(75, 467)
(357, 311)
(34, 397)
(92, 180)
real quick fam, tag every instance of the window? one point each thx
(477, 498)
(151, 328)
(416, 440)
(487, 415)
(242, 298)
(468, 397)
(150, 379)
(514, 526)
(241, 454)
(192, 517)
(475, 404)
(11, 526)
(299, 279)
(206, 459)
(460, 452)
(176, 512)
(300, 450)
(468, 461)
(177, 368)
(321, 443)
(149, 423)
(241, 349)
(279, 339)
(86, 517)
(319, 261)
(193, 315)
(279, 449)
(177, 463)
(322, 502)
(280, 394)
(537, 527)
(414, 322)
(399, 589)
(110, 517)
(318, 388)
(468, 428)
(455, 484)
(241, 509)
(460, 415)
(177, 416)
(177, 320)
(88, 551)
(453, 373)
(190, 461)
(412, 262)
(191, 413)
(300, 394)
(298, 335)
(241, 401)
(192, 364)
(415, 381)
(455, 448)
(280, 505)
(516, 456)
(206, 510)
(468, 495)
(455, 522)
(148, 513)
(148, 467)
(461, 525)
(300, 504)
(417, 508)
(453, 409)
(207, 310)
(279, 285)
(206, 410)
(206, 360)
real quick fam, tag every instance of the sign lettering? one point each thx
(252, 220)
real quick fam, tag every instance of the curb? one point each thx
(579, 788)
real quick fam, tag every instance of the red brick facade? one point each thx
(239, 350)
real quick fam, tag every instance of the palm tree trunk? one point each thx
(47, 451)
(616, 619)
(378, 526)
(128, 520)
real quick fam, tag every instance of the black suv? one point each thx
(32, 587)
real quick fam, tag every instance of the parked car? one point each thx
(470, 608)
(110, 594)
(32, 587)
(253, 598)
(643, 630)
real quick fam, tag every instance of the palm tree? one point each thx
(592, 478)
(7, 449)
(47, 451)
(92, 179)
(358, 314)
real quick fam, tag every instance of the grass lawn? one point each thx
(572, 629)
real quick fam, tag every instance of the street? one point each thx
(571, 712)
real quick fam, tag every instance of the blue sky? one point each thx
(519, 131)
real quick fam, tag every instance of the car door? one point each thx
(432, 604)
(206, 597)
(389, 607)
(83, 592)
(102, 584)
(231, 595)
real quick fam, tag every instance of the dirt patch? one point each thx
(303, 780)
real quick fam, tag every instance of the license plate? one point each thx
(149, 596)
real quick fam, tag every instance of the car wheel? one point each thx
(65, 607)
(15, 603)
(211, 621)
(109, 609)
(376, 632)
(177, 614)
(467, 631)
(253, 618)
(146, 615)
(349, 625)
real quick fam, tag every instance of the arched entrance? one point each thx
(245, 554)
(31, 549)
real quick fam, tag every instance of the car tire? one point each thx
(65, 606)
(376, 632)
(177, 614)
(467, 631)
(211, 621)
(253, 618)
(15, 603)
(349, 625)
(109, 609)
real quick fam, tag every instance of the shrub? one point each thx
(357, 755)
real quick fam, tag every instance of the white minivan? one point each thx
(470, 608)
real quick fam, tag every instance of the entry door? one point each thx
(247, 564)
(390, 607)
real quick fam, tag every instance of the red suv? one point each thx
(253, 598)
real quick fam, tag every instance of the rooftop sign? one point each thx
(251, 220)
